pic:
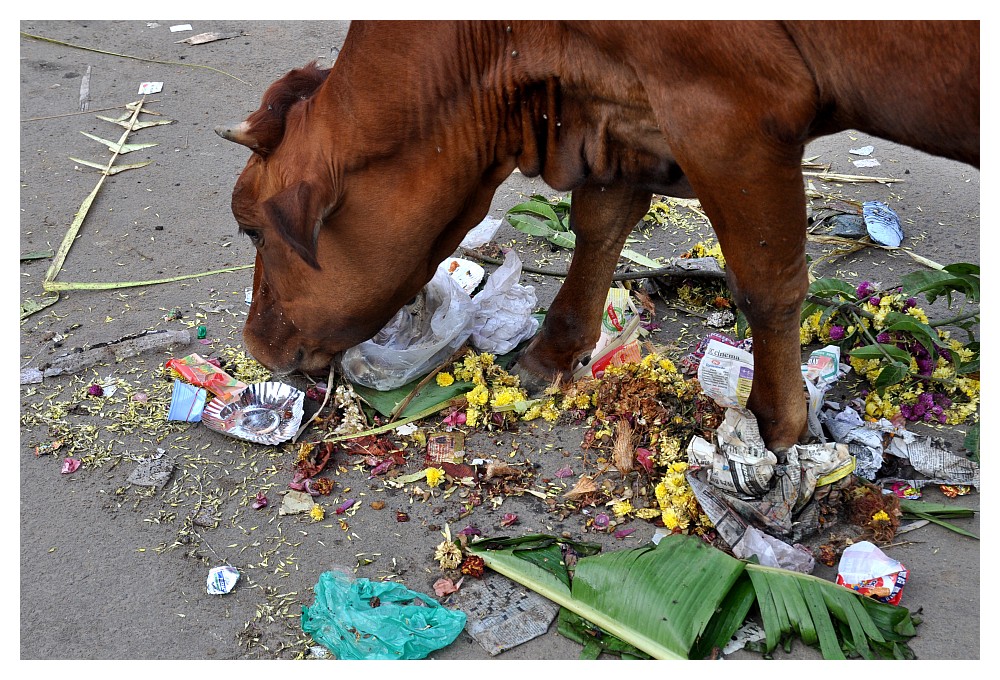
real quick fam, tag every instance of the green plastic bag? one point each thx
(348, 620)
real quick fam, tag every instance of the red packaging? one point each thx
(197, 371)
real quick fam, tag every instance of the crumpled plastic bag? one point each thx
(773, 552)
(503, 309)
(358, 619)
(423, 334)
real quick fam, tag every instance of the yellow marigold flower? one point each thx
(805, 334)
(679, 467)
(647, 513)
(479, 395)
(435, 475)
(507, 395)
(670, 519)
(472, 416)
(444, 379)
(622, 509)
(917, 314)
(533, 412)
(880, 516)
(549, 412)
(317, 512)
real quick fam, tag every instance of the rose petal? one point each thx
(70, 465)
(261, 501)
(444, 586)
(565, 472)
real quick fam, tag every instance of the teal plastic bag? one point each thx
(348, 620)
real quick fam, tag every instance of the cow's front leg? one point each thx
(602, 218)
(758, 213)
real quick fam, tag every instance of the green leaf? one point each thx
(563, 239)
(824, 287)
(540, 208)
(682, 598)
(935, 283)
(890, 375)
(971, 442)
(530, 225)
(37, 255)
(923, 333)
(879, 350)
(638, 258)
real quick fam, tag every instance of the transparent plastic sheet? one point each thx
(358, 619)
(416, 340)
(503, 309)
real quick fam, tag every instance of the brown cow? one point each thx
(367, 175)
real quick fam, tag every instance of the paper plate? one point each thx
(266, 413)
(468, 274)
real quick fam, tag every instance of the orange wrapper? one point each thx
(197, 371)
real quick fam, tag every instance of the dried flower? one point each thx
(317, 513)
(448, 555)
(95, 391)
(445, 586)
(601, 521)
(473, 565)
(509, 519)
(402, 516)
(345, 506)
(622, 509)
(260, 501)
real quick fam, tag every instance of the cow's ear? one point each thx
(297, 214)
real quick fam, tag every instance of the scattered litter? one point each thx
(150, 88)
(749, 633)
(619, 340)
(867, 163)
(503, 614)
(869, 571)
(187, 402)
(358, 619)
(319, 652)
(248, 294)
(198, 371)
(70, 465)
(296, 502)
(466, 273)
(445, 586)
(503, 315)
(180, 27)
(221, 580)
(118, 350)
(882, 223)
(266, 413)
(153, 472)
(445, 447)
(417, 339)
(211, 36)
(931, 463)
(482, 233)
(863, 151)
(31, 376)
(772, 552)
(846, 225)
(260, 501)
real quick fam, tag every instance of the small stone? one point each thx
(296, 502)
(154, 472)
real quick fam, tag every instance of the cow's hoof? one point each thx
(532, 383)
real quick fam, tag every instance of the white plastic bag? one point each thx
(423, 334)
(503, 309)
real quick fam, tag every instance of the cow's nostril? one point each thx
(298, 356)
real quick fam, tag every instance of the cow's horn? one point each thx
(239, 133)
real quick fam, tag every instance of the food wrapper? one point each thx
(222, 579)
(869, 571)
(198, 371)
(619, 340)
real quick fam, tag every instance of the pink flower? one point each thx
(645, 458)
(70, 465)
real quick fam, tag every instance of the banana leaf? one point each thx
(682, 598)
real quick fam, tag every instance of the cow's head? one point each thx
(349, 215)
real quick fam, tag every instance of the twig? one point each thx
(673, 269)
(423, 383)
(79, 113)
(329, 390)
(127, 56)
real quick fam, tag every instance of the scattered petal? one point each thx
(345, 506)
(509, 519)
(564, 472)
(70, 465)
(623, 533)
(445, 586)
(260, 502)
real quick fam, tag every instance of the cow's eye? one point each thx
(256, 236)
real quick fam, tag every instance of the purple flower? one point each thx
(865, 289)
(260, 501)
(883, 338)
(95, 391)
(910, 302)
(926, 367)
(875, 300)
(601, 521)
(836, 332)
(470, 531)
